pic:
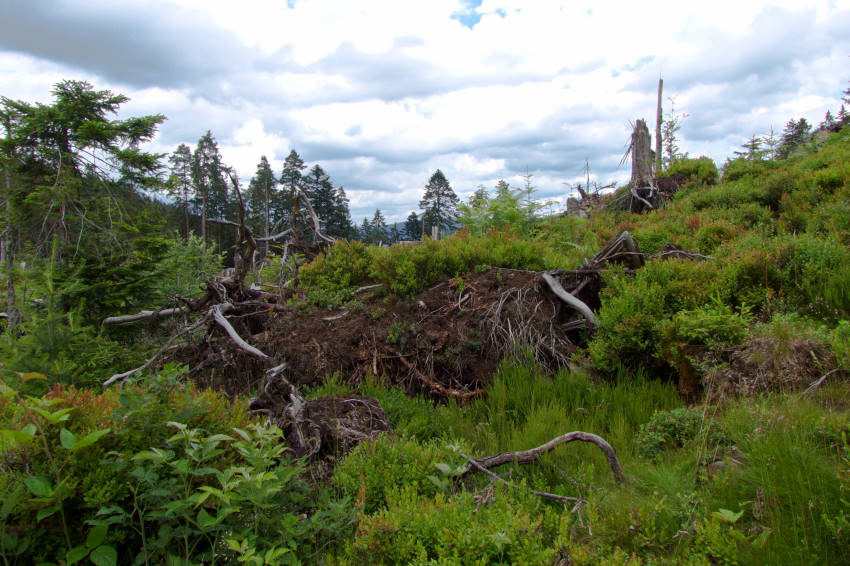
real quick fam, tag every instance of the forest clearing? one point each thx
(659, 375)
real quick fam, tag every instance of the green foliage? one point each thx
(636, 309)
(676, 428)
(817, 272)
(413, 530)
(330, 277)
(701, 171)
(714, 325)
(117, 478)
(404, 270)
(376, 466)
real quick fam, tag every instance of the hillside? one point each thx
(715, 363)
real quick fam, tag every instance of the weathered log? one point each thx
(532, 456)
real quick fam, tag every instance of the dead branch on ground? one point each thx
(533, 455)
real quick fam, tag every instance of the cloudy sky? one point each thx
(383, 92)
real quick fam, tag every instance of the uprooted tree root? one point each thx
(445, 343)
(325, 428)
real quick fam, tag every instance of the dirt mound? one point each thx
(446, 341)
(763, 365)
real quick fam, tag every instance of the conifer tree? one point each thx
(291, 179)
(68, 166)
(843, 116)
(319, 189)
(754, 149)
(439, 203)
(413, 227)
(339, 221)
(794, 135)
(180, 182)
(208, 179)
(377, 228)
(260, 196)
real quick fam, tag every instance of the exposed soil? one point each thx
(765, 364)
(444, 342)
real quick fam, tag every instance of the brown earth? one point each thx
(445, 342)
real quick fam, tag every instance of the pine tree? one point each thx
(377, 228)
(670, 133)
(260, 196)
(479, 198)
(843, 116)
(828, 121)
(413, 227)
(181, 179)
(794, 135)
(339, 222)
(291, 178)
(753, 147)
(318, 188)
(528, 204)
(208, 178)
(439, 203)
(68, 167)
(365, 230)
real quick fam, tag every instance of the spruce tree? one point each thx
(439, 203)
(318, 188)
(413, 227)
(794, 135)
(208, 178)
(180, 182)
(377, 228)
(291, 178)
(339, 222)
(260, 195)
(843, 116)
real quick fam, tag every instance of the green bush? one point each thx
(104, 475)
(669, 430)
(375, 467)
(635, 309)
(742, 167)
(701, 171)
(452, 531)
(816, 274)
(329, 279)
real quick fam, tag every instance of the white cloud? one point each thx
(383, 92)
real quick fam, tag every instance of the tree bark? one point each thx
(658, 121)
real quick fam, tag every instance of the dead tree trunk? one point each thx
(658, 120)
(643, 191)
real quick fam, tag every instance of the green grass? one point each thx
(787, 487)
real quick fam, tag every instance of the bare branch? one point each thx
(572, 301)
(531, 456)
(556, 497)
(142, 315)
(128, 374)
(218, 314)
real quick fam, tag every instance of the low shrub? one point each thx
(669, 430)
(375, 467)
(701, 171)
(452, 531)
(152, 476)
